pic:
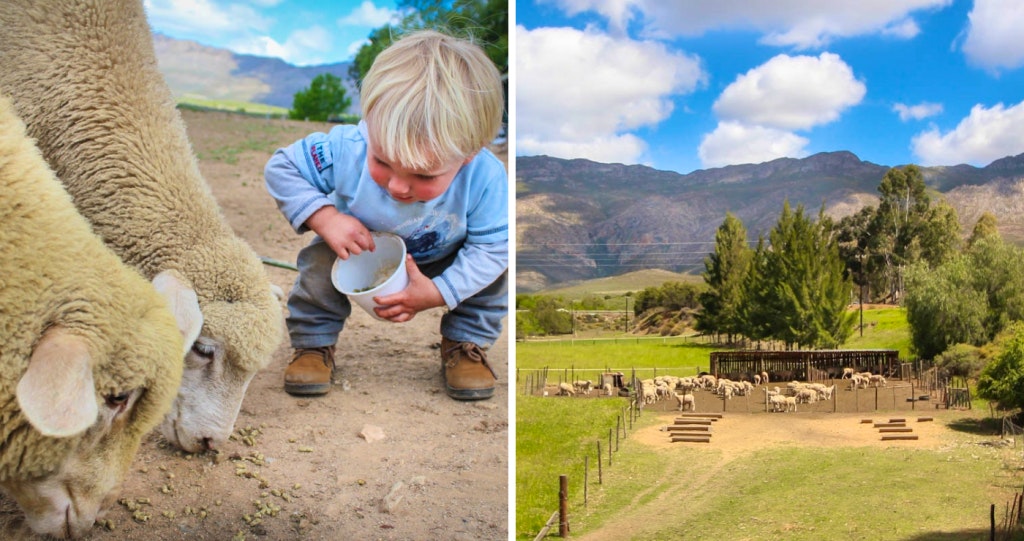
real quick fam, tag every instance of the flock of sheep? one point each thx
(682, 389)
(126, 301)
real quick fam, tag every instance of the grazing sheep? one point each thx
(83, 76)
(764, 378)
(565, 389)
(608, 389)
(790, 403)
(876, 380)
(686, 400)
(777, 402)
(847, 372)
(91, 353)
(757, 379)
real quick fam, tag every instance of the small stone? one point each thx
(371, 433)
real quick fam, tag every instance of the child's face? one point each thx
(408, 185)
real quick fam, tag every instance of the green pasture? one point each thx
(884, 328)
(233, 106)
(783, 492)
(552, 438)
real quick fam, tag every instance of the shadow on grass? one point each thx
(966, 535)
(985, 426)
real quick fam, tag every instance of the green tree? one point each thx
(484, 21)
(325, 98)
(944, 308)
(757, 313)
(1002, 381)
(807, 284)
(906, 228)
(987, 227)
(725, 271)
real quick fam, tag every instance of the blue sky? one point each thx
(683, 85)
(301, 33)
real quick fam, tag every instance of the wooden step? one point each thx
(903, 429)
(692, 439)
(900, 437)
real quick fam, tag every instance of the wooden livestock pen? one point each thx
(807, 365)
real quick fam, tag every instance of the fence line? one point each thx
(561, 516)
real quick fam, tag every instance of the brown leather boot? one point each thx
(467, 376)
(309, 371)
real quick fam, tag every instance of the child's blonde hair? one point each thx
(430, 98)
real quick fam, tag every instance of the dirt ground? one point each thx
(299, 468)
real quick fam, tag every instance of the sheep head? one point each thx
(85, 402)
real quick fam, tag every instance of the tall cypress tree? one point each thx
(725, 271)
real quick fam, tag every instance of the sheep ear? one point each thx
(183, 302)
(277, 291)
(57, 394)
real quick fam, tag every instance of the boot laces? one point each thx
(469, 350)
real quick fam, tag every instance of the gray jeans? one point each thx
(317, 312)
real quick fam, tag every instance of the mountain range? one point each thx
(200, 71)
(578, 219)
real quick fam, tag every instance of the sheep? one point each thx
(91, 356)
(777, 402)
(790, 403)
(583, 386)
(565, 389)
(764, 378)
(877, 379)
(685, 400)
(83, 77)
(847, 372)
(608, 389)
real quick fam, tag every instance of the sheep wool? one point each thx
(67, 299)
(83, 76)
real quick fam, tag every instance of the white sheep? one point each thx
(790, 403)
(91, 352)
(583, 386)
(777, 402)
(608, 389)
(566, 389)
(686, 400)
(764, 378)
(83, 76)
(877, 380)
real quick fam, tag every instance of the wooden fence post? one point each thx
(609, 446)
(600, 475)
(563, 506)
(586, 476)
(618, 421)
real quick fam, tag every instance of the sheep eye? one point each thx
(117, 400)
(204, 350)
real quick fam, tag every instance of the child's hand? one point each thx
(419, 295)
(345, 234)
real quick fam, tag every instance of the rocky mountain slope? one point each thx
(578, 219)
(193, 69)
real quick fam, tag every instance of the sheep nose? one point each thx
(207, 444)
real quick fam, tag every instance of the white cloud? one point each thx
(303, 47)
(624, 148)
(791, 23)
(917, 112)
(203, 17)
(993, 34)
(985, 135)
(791, 92)
(585, 90)
(618, 12)
(367, 14)
(736, 143)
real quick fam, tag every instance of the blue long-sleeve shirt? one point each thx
(471, 216)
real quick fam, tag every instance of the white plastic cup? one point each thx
(364, 276)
